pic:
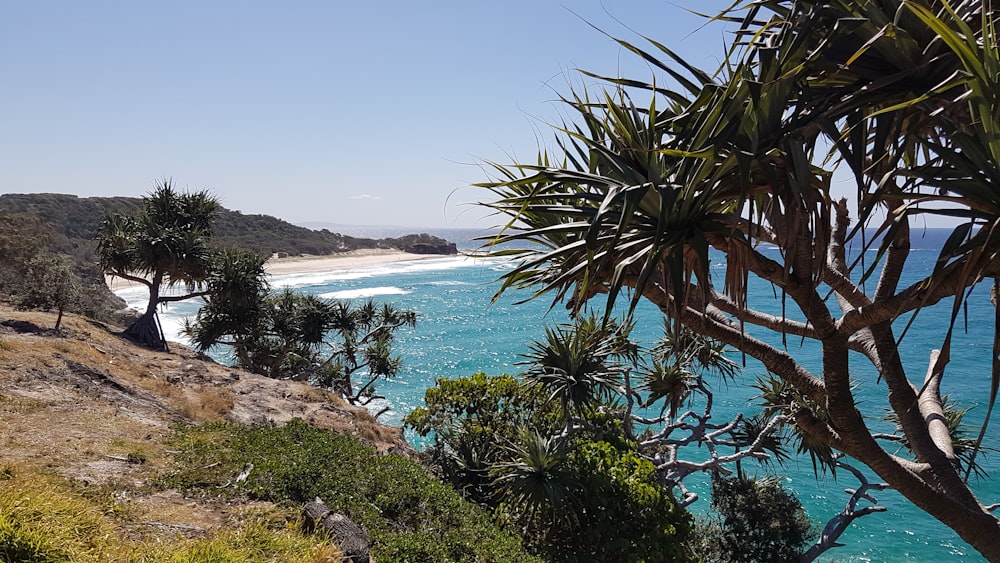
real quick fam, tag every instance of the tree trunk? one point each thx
(145, 331)
(937, 488)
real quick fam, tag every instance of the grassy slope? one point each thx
(88, 433)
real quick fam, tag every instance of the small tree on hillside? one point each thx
(51, 283)
(162, 245)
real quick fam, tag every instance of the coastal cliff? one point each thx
(114, 452)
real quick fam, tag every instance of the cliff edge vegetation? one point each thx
(115, 452)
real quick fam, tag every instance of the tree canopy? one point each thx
(337, 345)
(653, 175)
(579, 496)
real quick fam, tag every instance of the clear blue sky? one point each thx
(346, 112)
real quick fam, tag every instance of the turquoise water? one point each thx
(459, 332)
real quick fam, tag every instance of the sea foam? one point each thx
(364, 292)
(405, 267)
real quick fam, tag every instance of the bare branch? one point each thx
(848, 294)
(895, 259)
(836, 526)
(775, 360)
(946, 282)
(931, 408)
(758, 318)
(837, 274)
(175, 298)
(129, 277)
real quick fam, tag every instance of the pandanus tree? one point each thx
(578, 366)
(162, 245)
(901, 96)
(338, 345)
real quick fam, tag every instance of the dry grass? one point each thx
(207, 406)
(45, 518)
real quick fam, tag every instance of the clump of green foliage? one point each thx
(756, 521)
(336, 345)
(34, 520)
(33, 275)
(409, 515)
(260, 537)
(466, 418)
(586, 496)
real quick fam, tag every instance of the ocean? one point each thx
(460, 332)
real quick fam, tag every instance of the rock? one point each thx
(423, 244)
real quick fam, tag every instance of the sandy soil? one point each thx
(354, 259)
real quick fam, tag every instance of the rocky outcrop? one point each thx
(423, 244)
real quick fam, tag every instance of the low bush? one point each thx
(409, 515)
(585, 497)
(756, 521)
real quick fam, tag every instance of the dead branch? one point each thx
(836, 526)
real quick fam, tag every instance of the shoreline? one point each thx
(352, 260)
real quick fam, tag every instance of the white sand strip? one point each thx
(364, 258)
(344, 261)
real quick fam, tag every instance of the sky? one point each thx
(361, 113)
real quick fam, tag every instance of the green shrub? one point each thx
(758, 521)
(41, 521)
(589, 497)
(46, 518)
(627, 514)
(469, 419)
(410, 515)
(23, 544)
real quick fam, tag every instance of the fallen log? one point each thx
(352, 539)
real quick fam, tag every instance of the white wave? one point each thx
(173, 329)
(133, 294)
(385, 407)
(364, 292)
(137, 296)
(447, 283)
(318, 278)
(429, 265)
(172, 319)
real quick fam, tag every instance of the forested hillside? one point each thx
(77, 218)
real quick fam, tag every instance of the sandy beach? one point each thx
(354, 259)
(345, 261)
